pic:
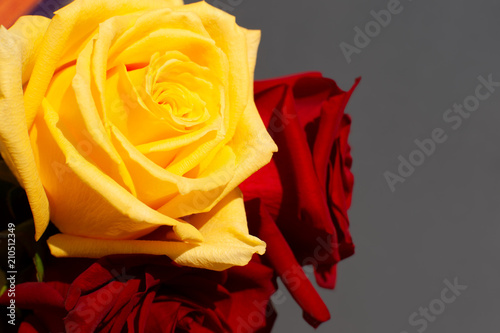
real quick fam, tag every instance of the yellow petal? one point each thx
(30, 30)
(149, 22)
(253, 40)
(16, 56)
(224, 229)
(251, 143)
(215, 181)
(176, 195)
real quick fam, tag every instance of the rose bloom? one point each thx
(298, 203)
(142, 293)
(130, 124)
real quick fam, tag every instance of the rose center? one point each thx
(171, 82)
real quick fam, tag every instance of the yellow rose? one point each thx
(130, 124)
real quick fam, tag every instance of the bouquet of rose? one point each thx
(136, 129)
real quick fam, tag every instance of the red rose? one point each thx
(146, 294)
(298, 203)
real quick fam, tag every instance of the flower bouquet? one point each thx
(150, 185)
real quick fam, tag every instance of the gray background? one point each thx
(442, 222)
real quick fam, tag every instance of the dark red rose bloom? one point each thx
(298, 203)
(146, 294)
